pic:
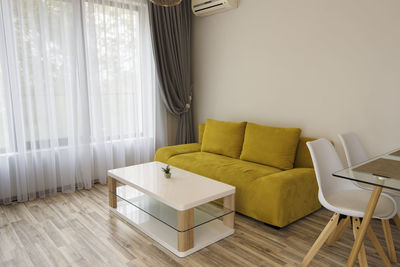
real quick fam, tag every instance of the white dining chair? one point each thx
(346, 200)
(355, 154)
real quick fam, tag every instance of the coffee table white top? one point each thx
(184, 190)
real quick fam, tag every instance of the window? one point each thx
(77, 93)
(117, 45)
(98, 81)
(4, 128)
(45, 67)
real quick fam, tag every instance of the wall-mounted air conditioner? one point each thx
(209, 7)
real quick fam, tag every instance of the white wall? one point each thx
(326, 66)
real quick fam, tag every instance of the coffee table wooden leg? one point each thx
(364, 225)
(229, 203)
(112, 190)
(185, 221)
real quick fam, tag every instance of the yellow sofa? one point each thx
(269, 194)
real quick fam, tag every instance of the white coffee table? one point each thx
(179, 213)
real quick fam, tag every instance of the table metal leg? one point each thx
(373, 201)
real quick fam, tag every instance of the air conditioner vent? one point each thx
(209, 7)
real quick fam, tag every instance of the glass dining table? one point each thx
(379, 172)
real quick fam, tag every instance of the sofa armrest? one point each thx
(164, 153)
(288, 196)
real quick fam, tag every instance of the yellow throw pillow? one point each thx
(225, 138)
(201, 131)
(270, 146)
(303, 156)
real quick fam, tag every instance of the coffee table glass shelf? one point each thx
(179, 213)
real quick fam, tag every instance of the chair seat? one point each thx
(355, 202)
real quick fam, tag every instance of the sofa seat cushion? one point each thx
(164, 153)
(271, 146)
(283, 197)
(225, 138)
(220, 167)
(231, 171)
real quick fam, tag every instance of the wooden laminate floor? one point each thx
(77, 229)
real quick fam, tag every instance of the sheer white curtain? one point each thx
(77, 93)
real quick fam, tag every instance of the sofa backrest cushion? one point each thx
(270, 146)
(303, 156)
(201, 131)
(225, 138)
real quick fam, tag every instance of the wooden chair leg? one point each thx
(362, 256)
(340, 229)
(329, 228)
(396, 220)
(389, 240)
(373, 201)
(377, 245)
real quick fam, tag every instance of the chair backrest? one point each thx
(353, 148)
(326, 161)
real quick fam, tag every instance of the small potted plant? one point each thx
(167, 171)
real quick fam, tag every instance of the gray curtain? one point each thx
(171, 30)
